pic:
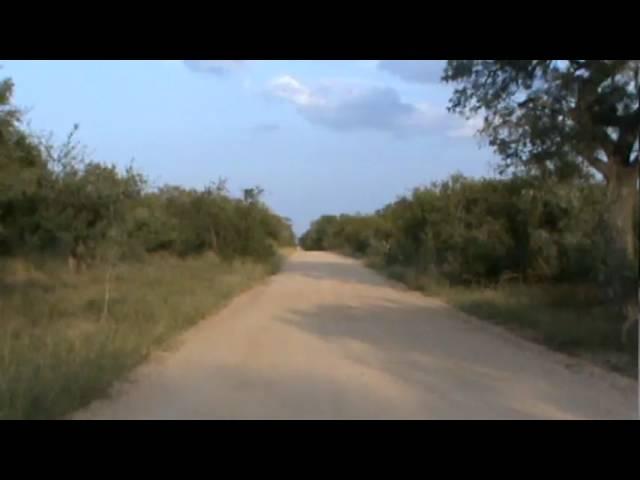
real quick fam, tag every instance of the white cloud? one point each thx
(217, 67)
(289, 88)
(421, 71)
(469, 129)
(348, 106)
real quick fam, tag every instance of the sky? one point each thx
(320, 136)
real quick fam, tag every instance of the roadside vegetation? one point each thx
(528, 256)
(98, 268)
(548, 247)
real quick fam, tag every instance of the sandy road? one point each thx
(328, 339)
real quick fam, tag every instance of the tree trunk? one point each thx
(76, 258)
(623, 203)
(622, 265)
(214, 240)
(107, 294)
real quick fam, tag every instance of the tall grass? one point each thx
(58, 351)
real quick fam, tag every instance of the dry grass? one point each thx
(287, 251)
(57, 353)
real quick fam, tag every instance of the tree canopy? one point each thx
(553, 114)
(558, 118)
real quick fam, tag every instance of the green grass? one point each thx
(57, 353)
(567, 318)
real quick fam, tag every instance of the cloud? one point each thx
(291, 89)
(348, 106)
(468, 129)
(217, 67)
(421, 71)
(265, 128)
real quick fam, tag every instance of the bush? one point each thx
(477, 231)
(56, 201)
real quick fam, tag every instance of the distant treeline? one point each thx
(482, 231)
(54, 201)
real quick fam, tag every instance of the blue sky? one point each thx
(319, 136)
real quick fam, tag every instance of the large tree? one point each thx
(558, 116)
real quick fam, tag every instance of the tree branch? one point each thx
(597, 164)
(612, 119)
(591, 157)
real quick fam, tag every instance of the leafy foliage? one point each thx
(54, 201)
(553, 115)
(559, 119)
(479, 231)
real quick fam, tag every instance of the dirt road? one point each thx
(328, 339)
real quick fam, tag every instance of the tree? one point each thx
(55, 200)
(557, 117)
(22, 173)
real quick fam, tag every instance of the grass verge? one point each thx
(57, 350)
(567, 318)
